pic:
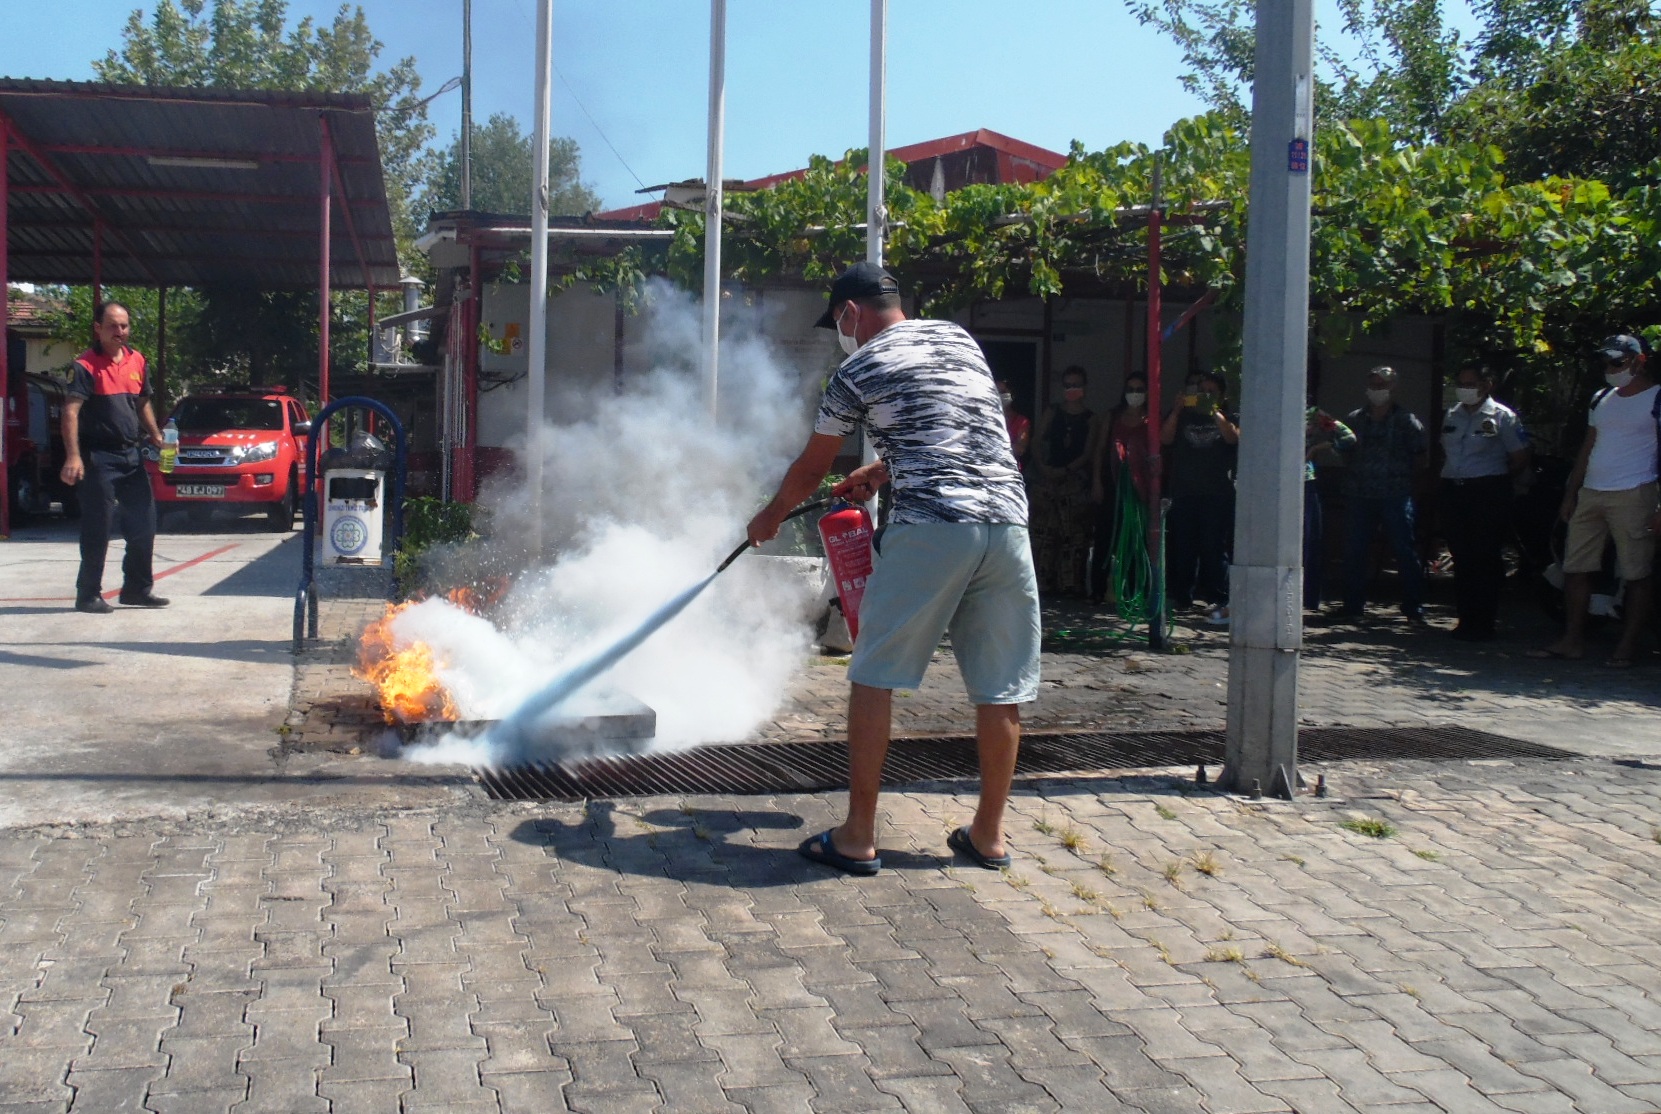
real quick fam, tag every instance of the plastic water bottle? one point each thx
(169, 445)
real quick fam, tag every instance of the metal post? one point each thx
(713, 202)
(97, 265)
(466, 104)
(5, 313)
(1265, 595)
(158, 381)
(876, 209)
(536, 344)
(325, 171)
(876, 161)
(1156, 367)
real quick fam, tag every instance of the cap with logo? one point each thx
(862, 280)
(1620, 347)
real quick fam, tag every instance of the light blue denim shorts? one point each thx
(971, 579)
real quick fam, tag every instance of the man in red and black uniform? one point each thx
(106, 419)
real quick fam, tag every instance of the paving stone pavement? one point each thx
(1154, 948)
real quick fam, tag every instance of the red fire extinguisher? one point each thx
(846, 532)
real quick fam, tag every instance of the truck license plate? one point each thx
(200, 491)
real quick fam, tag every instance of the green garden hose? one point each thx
(1130, 572)
(1130, 568)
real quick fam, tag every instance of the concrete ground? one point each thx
(153, 712)
(303, 929)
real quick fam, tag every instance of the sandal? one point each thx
(820, 849)
(960, 842)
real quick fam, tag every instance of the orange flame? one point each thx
(405, 678)
(480, 596)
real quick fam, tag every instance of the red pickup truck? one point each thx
(245, 449)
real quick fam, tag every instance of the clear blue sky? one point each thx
(1045, 71)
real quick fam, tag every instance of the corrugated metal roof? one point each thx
(193, 187)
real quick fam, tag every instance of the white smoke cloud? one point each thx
(643, 495)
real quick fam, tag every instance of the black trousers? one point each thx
(1199, 534)
(1476, 521)
(115, 482)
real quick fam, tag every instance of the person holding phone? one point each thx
(1201, 436)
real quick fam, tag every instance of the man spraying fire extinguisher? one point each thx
(953, 557)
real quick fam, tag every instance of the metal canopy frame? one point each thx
(153, 186)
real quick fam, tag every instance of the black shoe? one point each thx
(94, 605)
(141, 599)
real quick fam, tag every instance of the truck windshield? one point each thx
(210, 415)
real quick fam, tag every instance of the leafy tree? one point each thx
(263, 336)
(502, 156)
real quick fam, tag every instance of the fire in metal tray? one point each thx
(421, 710)
(616, 725)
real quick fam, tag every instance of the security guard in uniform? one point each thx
(106, 419)
(1485, 447)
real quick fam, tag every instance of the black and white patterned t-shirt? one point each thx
(923, 390)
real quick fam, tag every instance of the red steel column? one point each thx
(5, 372)
(467, 464)
(326, 166)
(1156, 463)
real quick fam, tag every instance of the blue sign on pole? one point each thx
(1297, 156)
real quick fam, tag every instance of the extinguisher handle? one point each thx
(810, 505)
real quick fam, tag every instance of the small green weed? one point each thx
(1429, 856)
(1207, 863)
(1274, 951)
(1370, 826)
(1164, 813)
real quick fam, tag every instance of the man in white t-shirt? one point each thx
(1612, 492)
(953, 557)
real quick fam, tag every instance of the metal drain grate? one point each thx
(739, 768)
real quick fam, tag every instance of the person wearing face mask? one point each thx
(1120, 452)
(1063, 515)
(1383, 459)
(1017, 423)
(1485, 447)
(1202, 436)
(1612, 493)
(1323, 437)
(952, 556)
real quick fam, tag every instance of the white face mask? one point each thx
(848, 343)
(1135, 398)
(1617, 379)
(1007, 400)
(1378, 396)
(1468, 396)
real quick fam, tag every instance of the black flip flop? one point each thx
(820, 849)
(960, 842)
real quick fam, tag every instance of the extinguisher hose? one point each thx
(806, 508)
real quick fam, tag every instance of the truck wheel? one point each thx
(280, 515)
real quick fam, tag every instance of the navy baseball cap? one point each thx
(1620, 347)
(862, 280)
